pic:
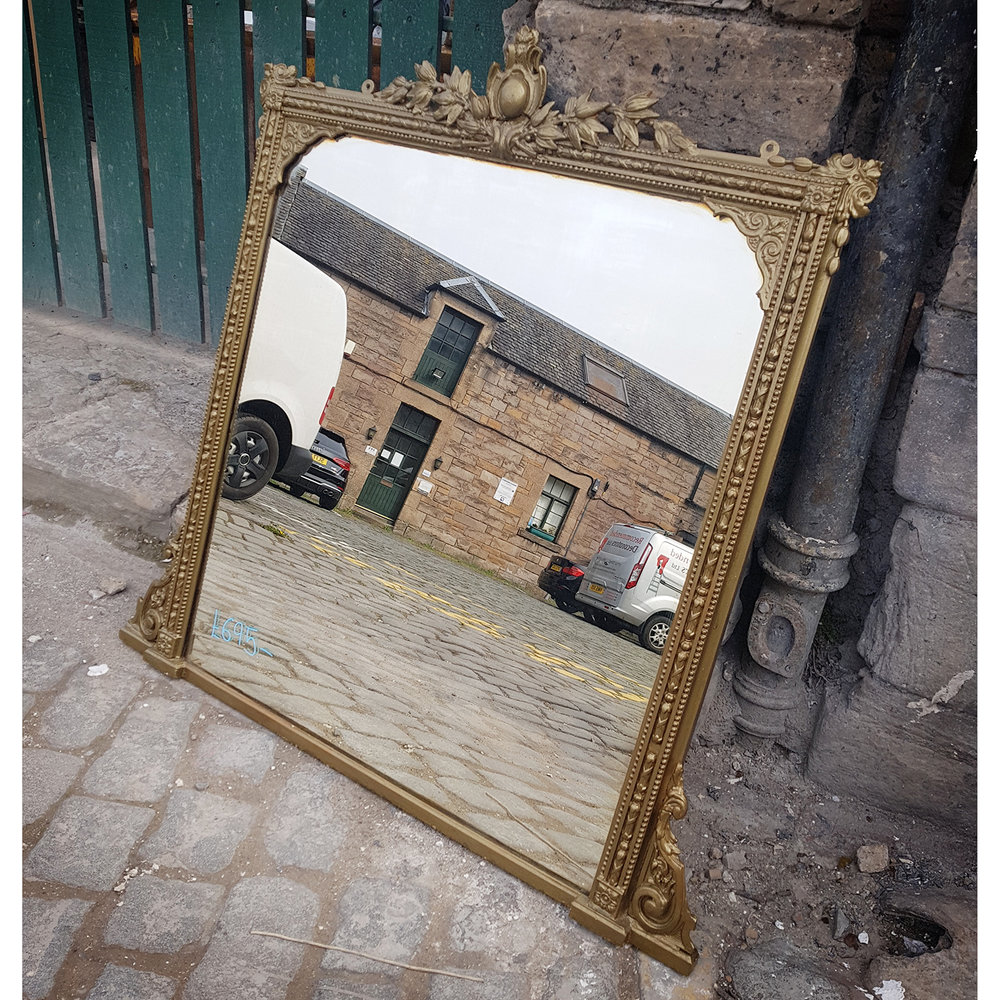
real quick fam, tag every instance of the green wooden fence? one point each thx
(139, 118)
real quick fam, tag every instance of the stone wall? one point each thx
(916, 694)
(731, 73)
(501, 422)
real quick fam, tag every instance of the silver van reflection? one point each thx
(635, 580)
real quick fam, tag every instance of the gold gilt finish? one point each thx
(794, 215)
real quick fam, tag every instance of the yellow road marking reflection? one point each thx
(567, 673)
(622, 695)
(477, 623)
(596, 680)
(355, 562)
(446, 608)
(573, 670)
(399, 569)
(318, 545)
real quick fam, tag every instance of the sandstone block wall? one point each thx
(919, 641)
(501, 423)
(729, 82)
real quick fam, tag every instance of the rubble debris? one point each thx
(873, 858)
(841, 923)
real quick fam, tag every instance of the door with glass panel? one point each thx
(398, 464)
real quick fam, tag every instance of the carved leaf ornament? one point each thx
(511, 115)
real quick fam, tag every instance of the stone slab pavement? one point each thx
(171, 847)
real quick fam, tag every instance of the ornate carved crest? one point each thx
(511, 115)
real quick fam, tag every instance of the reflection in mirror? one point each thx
(499, 365)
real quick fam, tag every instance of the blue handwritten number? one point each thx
(232, 630)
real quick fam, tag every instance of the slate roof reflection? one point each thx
(343, 239)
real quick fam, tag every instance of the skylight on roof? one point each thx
(604, 379)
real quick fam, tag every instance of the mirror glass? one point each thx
(518, 360)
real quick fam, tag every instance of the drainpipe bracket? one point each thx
(778, 636)
(784, 618)
(808, 565)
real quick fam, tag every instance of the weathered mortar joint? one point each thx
(801, 572)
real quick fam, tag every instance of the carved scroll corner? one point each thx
(860, 179)
(659, 904)
(766, 235)
(277, 78)
(295, 137)
(151, 610)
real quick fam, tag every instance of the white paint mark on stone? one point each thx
(943, 696)
(891, 989)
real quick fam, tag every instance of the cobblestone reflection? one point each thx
(464, 689)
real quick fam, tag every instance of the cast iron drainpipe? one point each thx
(806, 554)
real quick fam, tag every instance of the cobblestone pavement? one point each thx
(509, 713)
(172, 847)
(163, 834)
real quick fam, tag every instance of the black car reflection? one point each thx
(561, 580)
(326, 478)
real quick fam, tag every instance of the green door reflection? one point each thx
(398, 464)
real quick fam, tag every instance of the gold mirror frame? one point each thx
(794, 216)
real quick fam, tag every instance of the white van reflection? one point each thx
(635, 580)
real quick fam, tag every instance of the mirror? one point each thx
(524, 283)
(476, 333)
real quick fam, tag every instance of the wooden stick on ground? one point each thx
(373, 958)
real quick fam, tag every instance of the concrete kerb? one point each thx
(111, 418)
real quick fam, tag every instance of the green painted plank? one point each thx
(109, 49)
(477, 37)
(279, 33)
(218, 33)
(171, 182)
(410, 34)
(38, 259)
(343, 43)
(62, 108)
